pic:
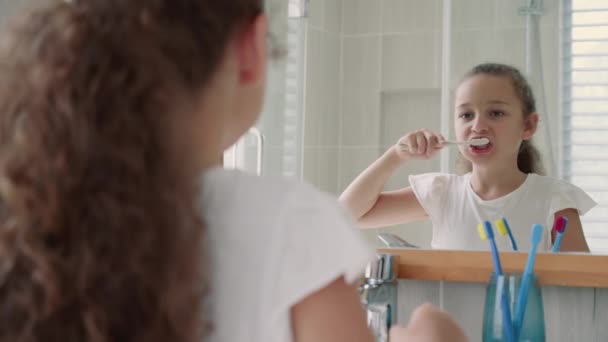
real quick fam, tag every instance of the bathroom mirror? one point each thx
(375, 70)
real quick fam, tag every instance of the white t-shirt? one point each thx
(455, 209)
(272, 242)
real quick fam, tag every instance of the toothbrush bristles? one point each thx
(479, 141)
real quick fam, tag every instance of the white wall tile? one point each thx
(510, 47)
(314, 78)
(320, 167)
(316, 13)
(322, 113)
(333, 16)
(469, 48)
(411, 61)
(572, 305)
(411, 15)
(360, 118)
(550, 64)
(600, 328)
(506, 13)
(406, 111)
(332, 84)
(361, 17)
(352, 161)
(468, 14)
(361, 91)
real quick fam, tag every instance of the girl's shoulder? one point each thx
(560, 194)
(551, 184)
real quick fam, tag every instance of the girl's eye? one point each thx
(497, 113)
(466, 116)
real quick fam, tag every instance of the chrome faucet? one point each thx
(392, 240)
(378, 294)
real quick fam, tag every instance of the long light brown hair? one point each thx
(99, 237)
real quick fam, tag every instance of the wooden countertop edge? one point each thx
(574, 270)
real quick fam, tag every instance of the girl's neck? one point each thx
(492, 183)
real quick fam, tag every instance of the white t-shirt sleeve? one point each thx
(566, 195)
(319, 243)
(430, 190)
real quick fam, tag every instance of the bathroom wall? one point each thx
(374, 71)
(322, 93)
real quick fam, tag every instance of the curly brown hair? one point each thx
(100, 239)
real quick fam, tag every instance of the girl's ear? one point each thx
(251, 47)
(530, 125)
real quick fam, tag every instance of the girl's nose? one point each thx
(479, 125)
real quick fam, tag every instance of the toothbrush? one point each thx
(473, 142)
(503, 228)
(559, 226)
(486, 233)
(482, 232)
(526, 280)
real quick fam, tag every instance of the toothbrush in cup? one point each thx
(486, 233)
(503, 228)
(526, 280)
(559, 227)
(472, 142)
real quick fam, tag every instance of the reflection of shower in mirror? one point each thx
(534, 71)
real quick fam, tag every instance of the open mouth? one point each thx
(480, 149)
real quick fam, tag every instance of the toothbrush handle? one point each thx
(520, 306)
(558, 242)
(522, 299)
(513, 244)
(495, 258)
(404, 147)
(506, 316)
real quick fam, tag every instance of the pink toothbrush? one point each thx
(559, 226)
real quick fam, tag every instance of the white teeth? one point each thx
(479, 142)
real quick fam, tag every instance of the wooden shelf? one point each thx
(561, 269)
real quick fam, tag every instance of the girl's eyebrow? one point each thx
(499, 102)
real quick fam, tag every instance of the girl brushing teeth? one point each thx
(496, 118)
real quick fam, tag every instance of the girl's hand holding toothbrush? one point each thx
(420, 144)
(424, 144)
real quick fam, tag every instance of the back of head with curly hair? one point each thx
(99, 236)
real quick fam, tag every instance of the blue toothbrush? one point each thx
(526, 280)
(503, 228)
(504, 300)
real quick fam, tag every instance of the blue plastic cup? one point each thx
(533, 327)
